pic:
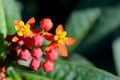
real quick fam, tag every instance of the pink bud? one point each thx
(2, 74)
(25, 55)
(35, 64)
(20, 43)
(38, 40)
(3, 69)
(48, 66)
(46, 24)
(36, 53)
(52, 54)
(4, 78)
(18, 51)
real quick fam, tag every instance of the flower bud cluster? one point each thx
(29, 45)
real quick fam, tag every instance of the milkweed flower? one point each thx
(25, 31)
(59, 40)
(22, 28)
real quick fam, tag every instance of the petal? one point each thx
(29, 42)
(17, 27)
(21, 23)
(32, 33)
(20, 33)
(16, 38)
(69, 41)
(52, 45)
(16, 22)
(63, 50)
(59, 28)
(31, 22)
(48, 36)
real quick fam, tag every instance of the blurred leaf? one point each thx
(108, 22)
(65, 70)
(79, 58)
(79, 23)
(3, 29)
(92, 3)
(116, 54)
(13, 75)
(11, 13)
(3, 46)
(28, 76)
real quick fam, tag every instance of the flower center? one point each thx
(22, 28)
(60, 37)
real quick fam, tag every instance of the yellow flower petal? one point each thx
(64, 33)
(60, 41)
(65, 39)
(28, 26)
(21, 23)
(56, 37)
(20, 33)
(59, 32)
(17, 27)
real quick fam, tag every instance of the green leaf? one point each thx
(79, 23)
(3, 29)
(3, 46)
(29, 76)
(108, 23)
(65, 70)
(13, 75)
(11, 13)
(79, 58)
(116, 54)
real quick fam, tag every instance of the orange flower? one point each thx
(59, 40)
(25, 31)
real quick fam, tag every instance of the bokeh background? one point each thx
(97, 43)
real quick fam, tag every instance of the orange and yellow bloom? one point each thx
(25, 31)
(22, 28)
(59, 40)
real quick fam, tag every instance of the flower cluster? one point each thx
(28, 43)
(2, 73)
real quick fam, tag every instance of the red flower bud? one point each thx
(25, 55)
(18, 51)
(46, 24)
(36, 53)
(48, 66)
(20, 43)
(38, 40)
(52, 54)
(35, 64)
